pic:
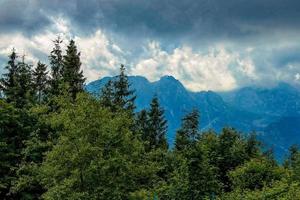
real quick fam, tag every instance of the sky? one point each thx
(206, 44)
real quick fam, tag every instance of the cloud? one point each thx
(100, 56)
(26, 17)
(38, 46)
(297, 76)
(215, 70)
(207, 44)
(187, 19)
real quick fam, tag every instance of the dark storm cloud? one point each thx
(270, 28)
(22, 16)
(203, 18)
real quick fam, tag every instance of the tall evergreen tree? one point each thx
(56, 63)
(107, 95)
(253, 146)
(293, 152)
(25, 86)
(157, 126)
(72, 74)
(40, 76)
(8, 82)
(15, 127)
(232, 151)
(201, 174)
(123, 96)
(142, 124)
(189, 131)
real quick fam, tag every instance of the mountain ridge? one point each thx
(247, 109)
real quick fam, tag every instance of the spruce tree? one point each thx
(8, 82)
(253, 146)
(25, 86)
(56, 63)
(189, 131)
(15, 127)
(142, 124)
(123, 96)
(107, 95)
(293, 153)
(72, 74)
(201, 174)
(157, 126)
(40, 76)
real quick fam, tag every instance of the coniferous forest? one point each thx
(59, 142)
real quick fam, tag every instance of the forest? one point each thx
(57, 141)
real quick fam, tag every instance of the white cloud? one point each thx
(222, 67)
(215, 70)
(297, 77)
(38, 46)
(29, 47)
(99, 55)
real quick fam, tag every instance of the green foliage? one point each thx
(107, 95)
(58, 142)
(142, 119)
(255, 174)
(293, 162)
(72, 75)
(25, 87)
(96, 156)
(56, 63)
(232, 152)
(15, 127)
(123, 96)
(17, 84)
(202, 175)
(117, 94)
(189, 131)
(9, 82)
(40, 76)
(28, 182)
(280, 190)
(156, 130)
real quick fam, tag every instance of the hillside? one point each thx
(247, 109)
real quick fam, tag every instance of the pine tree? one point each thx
(15, 127)
(56, 63)
(188, 132)
(72, 74)
(40, 140)
(253, 146)
(123, 96)
(8, 82)
(142, 124)
(294, 151)
(293, 159)
(201, 174)
(25, 86)
(157, 126)
(107, 95)
(40, 75)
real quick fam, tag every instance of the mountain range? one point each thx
(273, 113)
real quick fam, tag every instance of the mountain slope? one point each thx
(265, 111)
(280, 100)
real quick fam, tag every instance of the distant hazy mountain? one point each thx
(278, 101)
(279, 108)
(273, 113)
